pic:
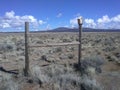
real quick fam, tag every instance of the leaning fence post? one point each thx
(80, 44)
(26, 72)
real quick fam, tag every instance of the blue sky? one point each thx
(49, 14)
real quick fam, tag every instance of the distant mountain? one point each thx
(64, 29)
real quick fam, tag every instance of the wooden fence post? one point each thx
(26, 72)
(80, 44)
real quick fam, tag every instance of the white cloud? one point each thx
(5, 25)
(103, 22)
(90, 23)
(10, 20)
(116, 18)
(73, 22)
(107, 22)
(104, 19)
(10, 14)
(41, 22)
(48, 27)
(59, 15)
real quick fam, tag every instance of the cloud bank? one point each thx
(10, 20)
(104, 22)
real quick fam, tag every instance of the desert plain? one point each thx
(55, 67)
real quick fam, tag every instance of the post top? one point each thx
(26, 22)
(80, 20)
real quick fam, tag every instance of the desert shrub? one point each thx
(20, 45)
(6, 47)
(71, 56)
(4, 76)
(66, 40)
(63, 78)
(89, 84)
(54, 70)
(69, 82)
(38, 75)
(21, 58)
(109, 41)
(66, 78)
(9, 85)
(58, 49)
(109, 49)
(63, 56)
(70, 49)
(21, 42)
(39, 42)
(98, 40)
(7, 82)
(111, 58)
(77, 39)
(117, 54)
(93, 61)
(44, 57)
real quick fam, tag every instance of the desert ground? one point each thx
(55, 68)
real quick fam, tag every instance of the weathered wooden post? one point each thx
(26, 72)
(80, 44)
